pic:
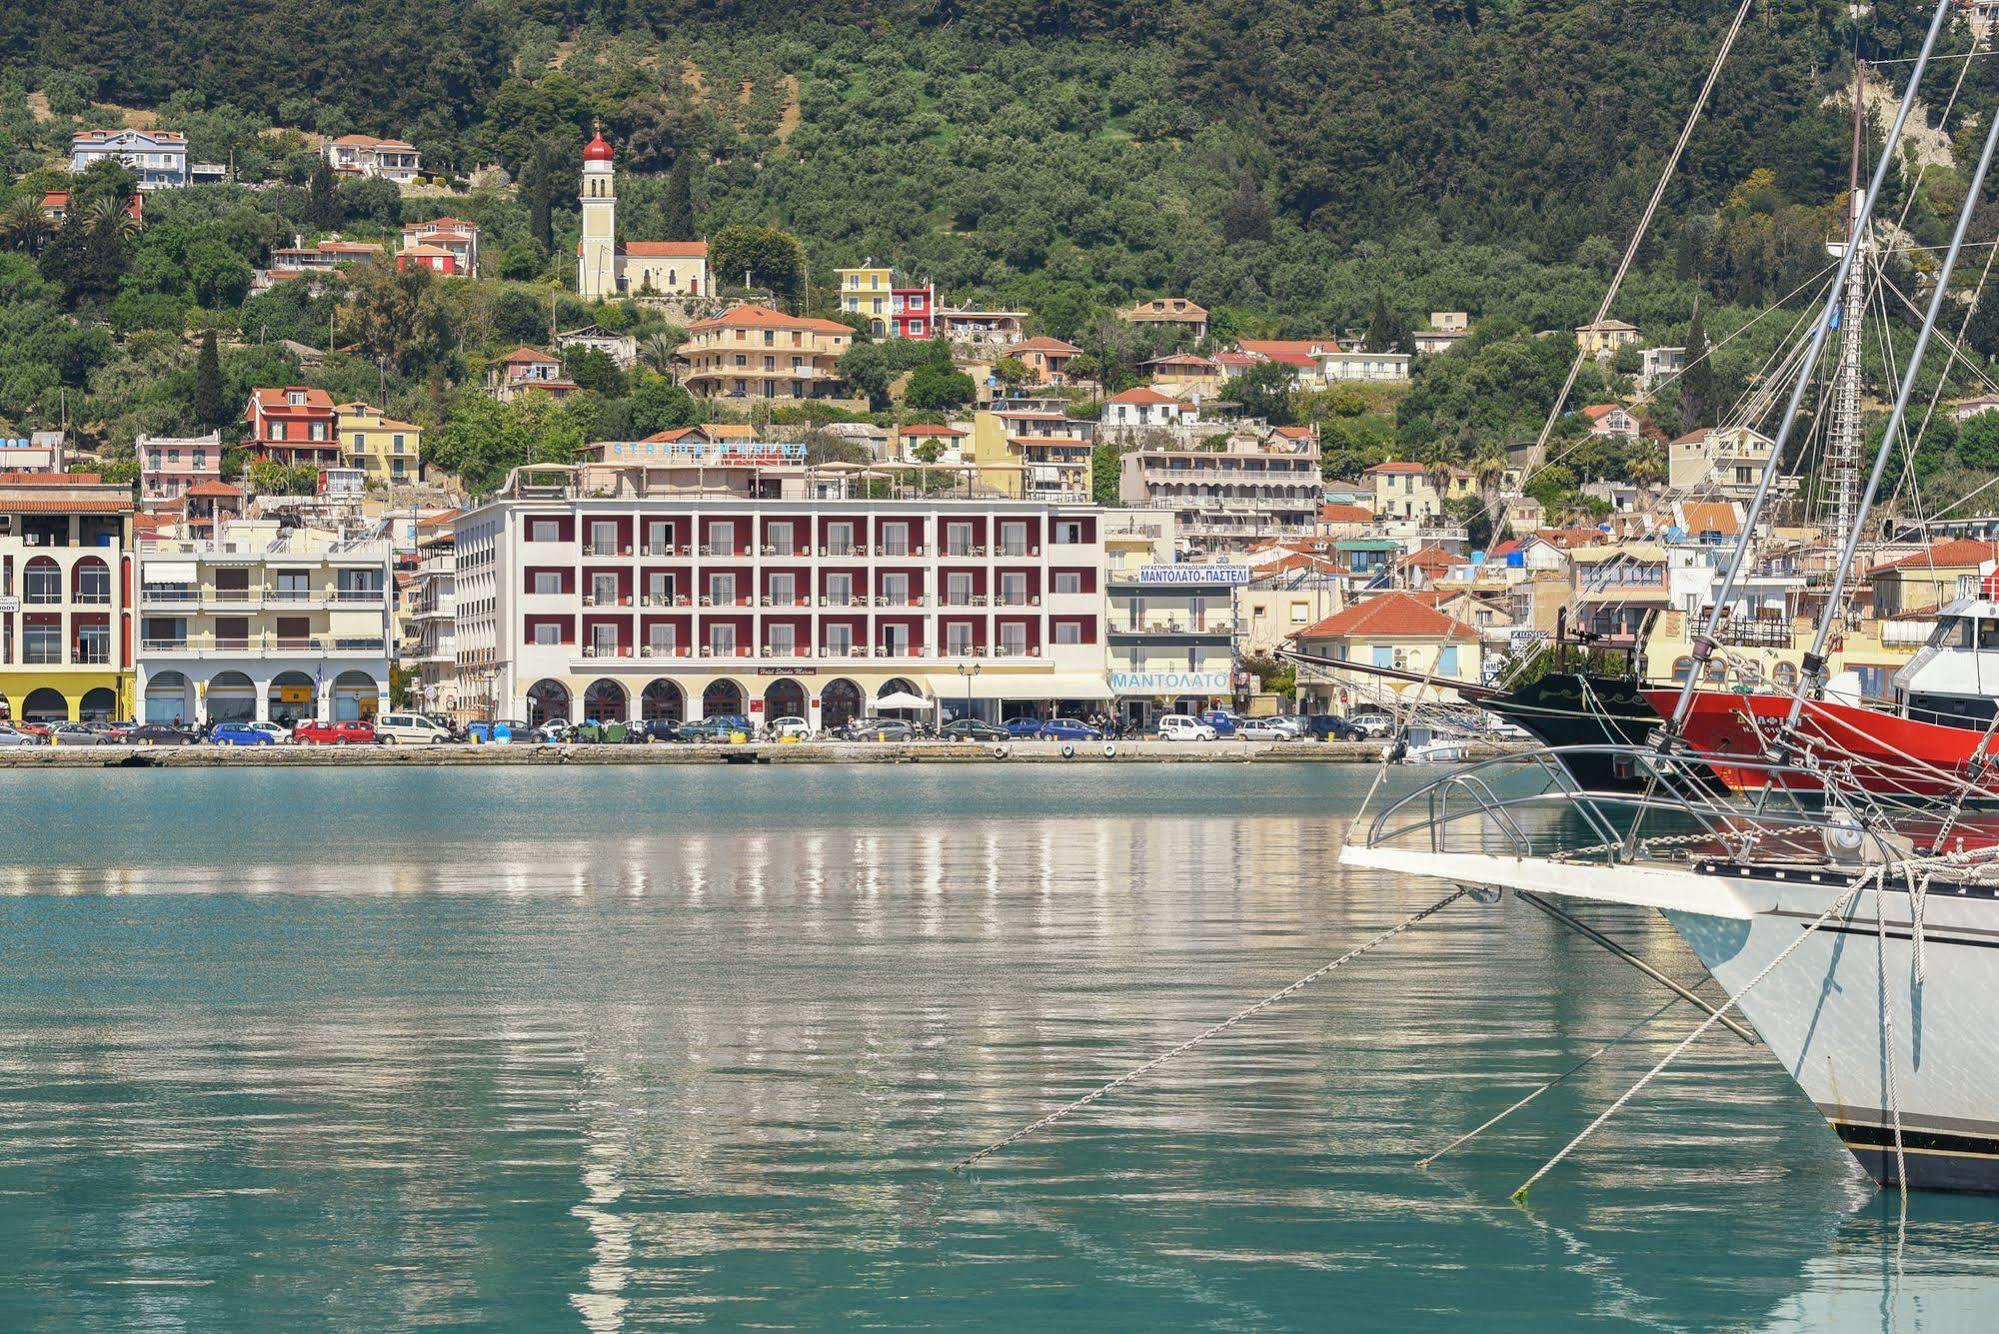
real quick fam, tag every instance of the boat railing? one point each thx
(1517, 793)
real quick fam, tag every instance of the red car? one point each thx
(334, 734)
(41, 732)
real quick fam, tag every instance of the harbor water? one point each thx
(625, 1049)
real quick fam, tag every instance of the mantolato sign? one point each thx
(1193, 574)
(1169, 683)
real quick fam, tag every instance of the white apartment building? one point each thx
(1253, 489)
(755, 590)
(431, 647)
(264, 622)
(363, 155)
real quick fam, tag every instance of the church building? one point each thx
(607, 267)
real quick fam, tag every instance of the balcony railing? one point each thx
(615, 549)
(1017, 651)
(663, 650)
(287, 645)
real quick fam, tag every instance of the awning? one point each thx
(994, 684)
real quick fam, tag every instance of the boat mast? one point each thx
(1842, 451)
(1704, 643)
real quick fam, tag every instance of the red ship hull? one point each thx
(1888, 753)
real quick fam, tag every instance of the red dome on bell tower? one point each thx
(597, 150)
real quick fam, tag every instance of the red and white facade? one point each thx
(455, 236)
(294, 424)
(689, 606)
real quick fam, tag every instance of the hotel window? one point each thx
(1013, 539)
(895, 539)
(958, 589)
(293, 585)
(1067, 581)
(1068, 632)
(41, 583)
(958, 539)
(784, 589)
(659, 538)
(1013, 589)
(722, 590)
(958, 640)
(545, 530)
(895, 589)
(839, 590)
(782, 641)
(359, 442)
(659, 588)
(777, 536)
(604, 589)
(603, 537)
(93, 583)
(1068, 531)
(660, 639)
(721, 540)
(840, 539)
(548, 582)
(895, 641)
(41, 644)
(604, 641)
(839, 639)
(1013, 640)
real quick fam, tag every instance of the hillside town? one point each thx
(1010, 538)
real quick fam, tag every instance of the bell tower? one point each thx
(597, 253)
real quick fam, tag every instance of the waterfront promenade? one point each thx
(805, 752)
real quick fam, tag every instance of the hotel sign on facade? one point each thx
(1170, 683)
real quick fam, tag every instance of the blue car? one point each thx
(1025, 727)
(241, 734)
(1224, 722)
(1068, 729)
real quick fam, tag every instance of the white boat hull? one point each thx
(1821, 1010)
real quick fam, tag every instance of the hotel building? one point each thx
(679, 580)
(65, 597)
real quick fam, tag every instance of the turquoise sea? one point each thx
(624, 1049)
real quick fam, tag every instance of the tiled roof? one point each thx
(1047, 344)
(673, 434)
(213, 488)
(1142, 395)
(522, 356)
(1389, 616)
(690, 249)
(1291, 351)
(279, 399)
(1710, 517)
(1958, 553)
(1397, 466)
(763, 317)
(1345, 514)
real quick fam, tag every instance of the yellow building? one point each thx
(384, 449)
(756, 352)
(65, 584)
(1398, 630)
(1033, 450)
(1602, 338)
(868, 292)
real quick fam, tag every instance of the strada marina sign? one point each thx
(1170, 683)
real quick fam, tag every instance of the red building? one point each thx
(293, 425)
(435, 258)
(913, 312)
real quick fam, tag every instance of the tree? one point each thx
(1245, 213)
(593, 368)
(322, 198)
(207, 395)
(1386, 332)
(864, 369)
(1697, 392)
(1106, 472)
(372, 200)
(84, 261)
(23, 225)
(1978, 442)
(398, 319)
(658, 404)
(519, 318)
(1982, 333)
(765, 256)
(676, 206)
(938, 384)
(1264, 390)
(217, 275)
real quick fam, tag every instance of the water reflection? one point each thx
(646, 1069)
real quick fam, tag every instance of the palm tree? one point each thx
(111, 217)
(657, 352)
(23, 226)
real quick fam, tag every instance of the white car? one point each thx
(1180, 727)
(410, 729)
(1271, 729)
(788, 729)
(1373, 722)
(278, 731)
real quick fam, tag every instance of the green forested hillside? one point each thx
(1288, 164)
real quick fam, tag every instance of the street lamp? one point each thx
(968, 670)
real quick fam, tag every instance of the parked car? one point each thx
(787, 729)
(161, 734)
(882, 729)
(1373, 722)
(1025, 726)
(498, 731)
(10, 737)
(1332, 727)
(317, 733)
(1184, 727)
(241, 734)
(554, 732)
(278, 732)
(1068, 729)
(115, 731)
(722, 727)
(1272, 729)
(410, 729)
(657, 729)
(77, 734)
(41, 732)
(1224, 722)
(973, 729)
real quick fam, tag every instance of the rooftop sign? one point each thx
(1193, 574)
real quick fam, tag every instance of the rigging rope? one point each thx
(1218, 1029)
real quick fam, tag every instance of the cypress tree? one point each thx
(208, 383)
(1697, 380)
(322, 199)
(676, 210)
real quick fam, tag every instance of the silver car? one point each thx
(9, 737)
(1271, 729)
(79, 734)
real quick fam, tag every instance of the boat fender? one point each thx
(999, 752)
(1110, 750)
(1068, 750)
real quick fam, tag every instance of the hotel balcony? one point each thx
(265, 646)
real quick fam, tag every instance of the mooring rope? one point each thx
(1222, 1027)
(1707, 1023)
